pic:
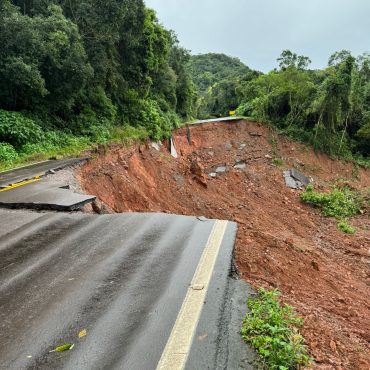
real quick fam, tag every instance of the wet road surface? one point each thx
(122, 278)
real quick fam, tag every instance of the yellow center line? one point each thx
(178, 346)
(18, 184)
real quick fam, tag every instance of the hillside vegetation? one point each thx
(74, 73)
(328, 108)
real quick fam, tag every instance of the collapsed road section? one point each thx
(125, 282)
(42, 194)
(35, 170)
(30, 188)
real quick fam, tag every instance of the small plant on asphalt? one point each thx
(272, 330)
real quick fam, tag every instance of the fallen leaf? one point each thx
(82, 333)
(63, 347)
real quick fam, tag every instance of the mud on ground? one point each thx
(281, 242)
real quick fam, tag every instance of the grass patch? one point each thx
(43, 151)
(277, 162)
(272, 330)
(59, 144)
(128, 135)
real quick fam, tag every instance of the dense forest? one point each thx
(217, 77)
(73, 73)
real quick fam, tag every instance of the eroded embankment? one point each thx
(281, 242)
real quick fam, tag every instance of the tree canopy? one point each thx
(329, 108)
(91, 59)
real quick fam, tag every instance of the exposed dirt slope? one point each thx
(281, 242)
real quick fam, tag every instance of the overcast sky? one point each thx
(256, 31)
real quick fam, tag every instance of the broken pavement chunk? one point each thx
(240, 165)
(221, 169)
(255, 134)
(173, 148)
(228, 146)
(300, 176)
(156, 146)
(295, 179)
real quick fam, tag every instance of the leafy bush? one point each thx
(272, 330)
(7, 153)
(362, 162)
(18, 130)
(246, 109)
(345, 227)
(298, 133)
(339, 203)
(147, 113)
(99, 131)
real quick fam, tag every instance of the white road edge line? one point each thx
(178, 346)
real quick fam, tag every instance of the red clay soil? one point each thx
(281, 243)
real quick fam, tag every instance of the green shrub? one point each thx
(345, 227)
(245, 110)
(7, 153)
(147, 113)
(272, 330)
(298, 133)
(339, 203)
(18, 130)
(362, 162)
(99, 131)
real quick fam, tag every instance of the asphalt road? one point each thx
(222, 119)
(38, 169)
(123, 279)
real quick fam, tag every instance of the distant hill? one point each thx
(208, 69)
